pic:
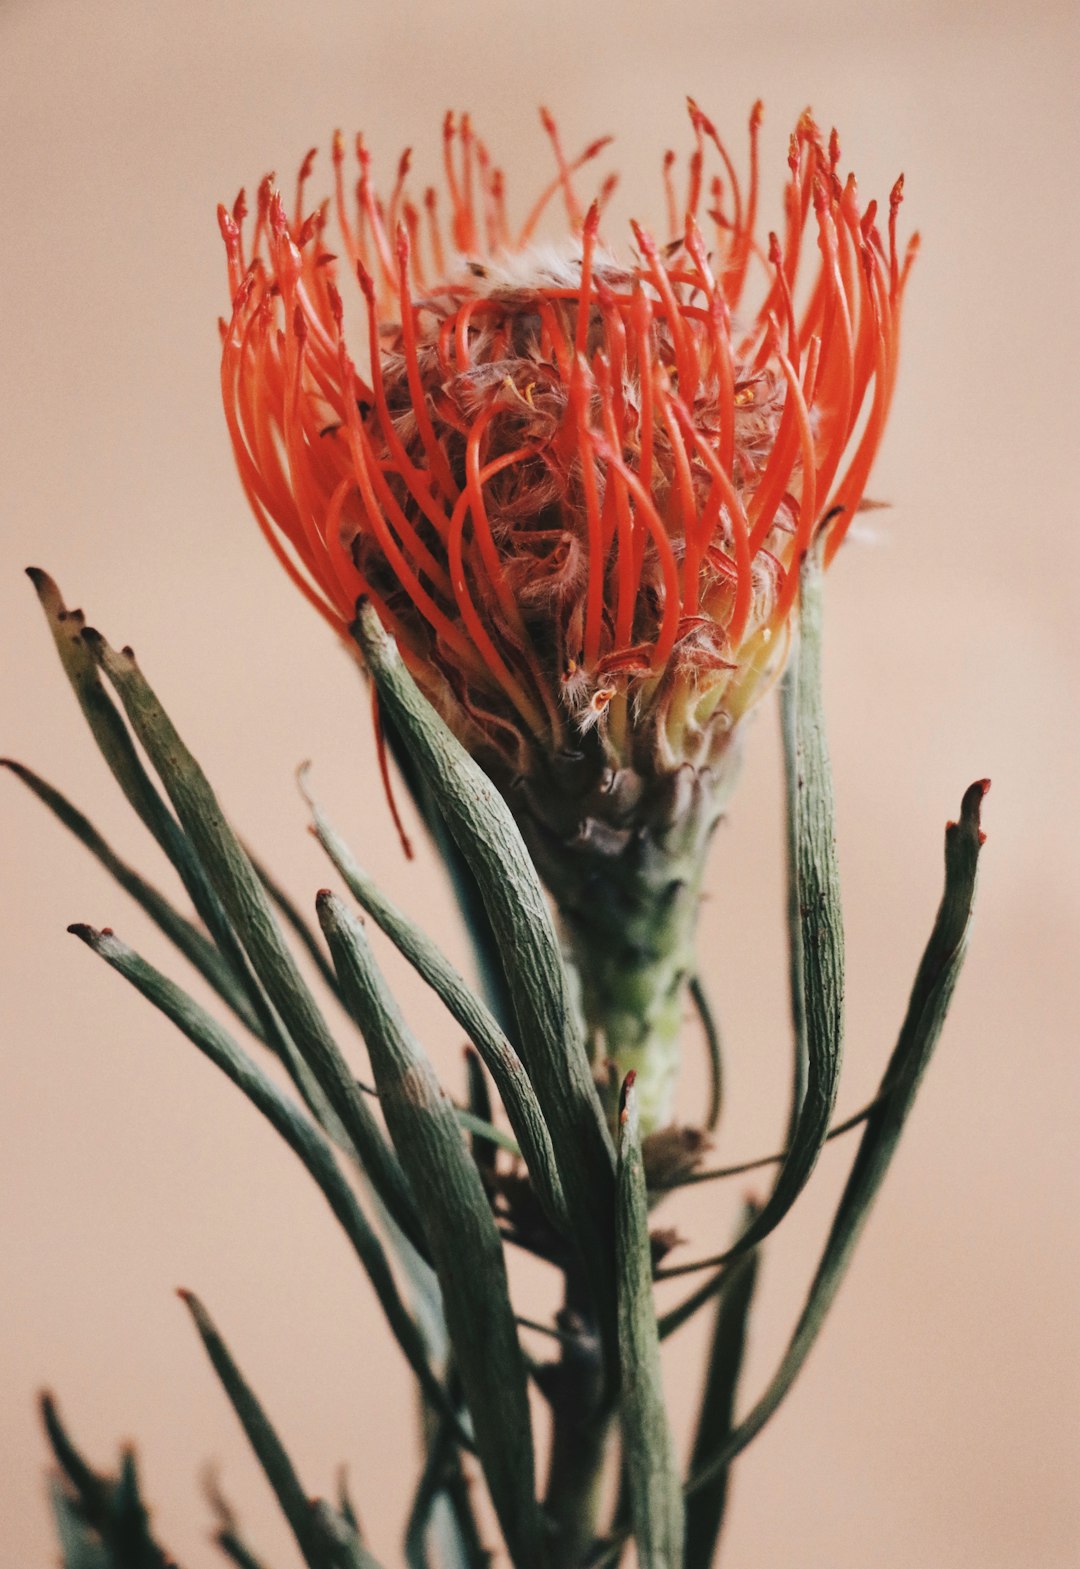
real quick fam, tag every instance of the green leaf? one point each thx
(115, 744)
(817, 933)
(705, 1508)
(789, 726)
(269, 1450)
(102, 1521)
(462, 1235)
(930, 997)
(656, 1504)
(470, 900)
(227, 1532)
(80, 1548)
(182, 933)
(481, 1109)
(714, 1045)
(676, 1317)
(502, 1061)
(240, 891)
(302, 1137)
(295, 920)
(549, 1037)
(341, 1541)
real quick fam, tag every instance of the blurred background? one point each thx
(936, 1423)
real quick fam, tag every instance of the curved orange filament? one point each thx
(439, 467)
(743, 563)
(475, 626)
(672, 613)
(807, 502)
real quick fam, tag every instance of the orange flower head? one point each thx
(577, 485)
(576, 481)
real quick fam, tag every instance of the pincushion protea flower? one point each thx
(577, 485)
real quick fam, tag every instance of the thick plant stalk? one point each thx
(656, 1505)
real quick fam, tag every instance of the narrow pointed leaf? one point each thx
(470, 899)
(502, 1061)
(115, 744)
(235, 1549)
(240, 891)
(676, 1317)
(656, 1504)
(818, 935)
(934, 984)
(227, 1535)
(705, 1508)
(789, 728)
(302, 1137)
(714, 1046)
(295, 1504)
(480, 1108)
(100, 1512)
(549, 1038)
(340, 1539)
(182, 933)
(461, 1232)
(294, 919)
(80, 1548)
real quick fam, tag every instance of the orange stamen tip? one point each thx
(896, 195)
(592, 220)
(279, 223)
(337, 148)
(757, 114)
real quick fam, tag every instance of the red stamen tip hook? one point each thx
(366, 282)
(896, 195)
(308, 163)
(757, 114)
(240, 206)
(230, 231)
(592, 220)
(337, 148)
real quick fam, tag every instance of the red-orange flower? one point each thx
(577, 482)
(577, 487)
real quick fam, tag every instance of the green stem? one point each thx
(628, 897)
(581, 1423)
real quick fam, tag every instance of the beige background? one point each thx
(936, 1424)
